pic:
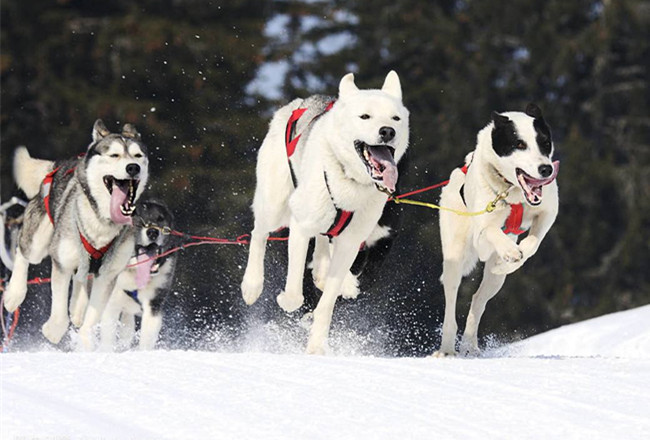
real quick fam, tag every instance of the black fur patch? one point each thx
(543, 138)
(504, 135)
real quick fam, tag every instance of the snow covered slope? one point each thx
(202, 395)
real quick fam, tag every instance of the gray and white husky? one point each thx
(79, 214)
(142, 289)
(324, 169)
(513, 157)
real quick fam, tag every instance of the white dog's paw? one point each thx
(510, 252)
(251, 290)
(86, 338)
(503, 268)
(54, 329)
(14, 295)
(443, 354)
(319, 279)
(317, 347)
(289, 303)
(350, 287)
(469, 348)
(77, 316)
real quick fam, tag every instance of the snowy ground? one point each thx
(589, 380)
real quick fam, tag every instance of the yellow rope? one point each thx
(489, 208)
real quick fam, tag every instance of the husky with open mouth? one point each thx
(79, 214)
(512, 162)
(325, 169)
(142, 288)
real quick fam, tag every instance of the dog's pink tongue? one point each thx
(118, 197)
(389, 174)
(143, 270)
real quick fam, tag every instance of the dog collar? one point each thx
(512, 224)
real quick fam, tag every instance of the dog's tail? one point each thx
(30, 172)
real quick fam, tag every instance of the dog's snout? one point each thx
(133, 169)
(387, 133)
(152, 234)
(545, 170)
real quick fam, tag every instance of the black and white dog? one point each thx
(513, 158)
(144, 285)
(79, 214)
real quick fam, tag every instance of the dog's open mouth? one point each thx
(380, 164)
(148, 264)
(533, 187)
(122, 198)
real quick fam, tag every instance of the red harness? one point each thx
(94, 253)
(513, 222)
(343, 218)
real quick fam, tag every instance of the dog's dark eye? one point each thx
(365, 116)
(396, 118)
(521, 144)
(115, 155)
(138, 155)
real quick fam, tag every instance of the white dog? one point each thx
(512, 158)
(324, 169)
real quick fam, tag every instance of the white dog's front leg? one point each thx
(151, 325)
(492, 239)
(320, 261)
(78, 302)
(342, 259)
(102, 286)
(57, 324)
(291, 298)
(109, 321)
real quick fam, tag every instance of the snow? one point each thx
(588, 380)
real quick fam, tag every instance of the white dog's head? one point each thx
(372, 131)
(116, 171)
(523, 148)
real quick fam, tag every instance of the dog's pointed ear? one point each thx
(534, 111)
(99, 130)
(129, 131)
(499, 120)
(392, 86)
(347, 85)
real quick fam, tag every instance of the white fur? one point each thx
(30, 172)
(465, 240)
(308, 210)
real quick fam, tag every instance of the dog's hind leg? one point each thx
(490, 285)
(452, 274)
(16, 291)
(33, 245)
(342, 259)
(291, 298)
(57, 324)
(253, 282)
(110, 320)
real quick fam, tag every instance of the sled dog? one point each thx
(513, 157)
(79, 214)
(325, 169)
(142, 289)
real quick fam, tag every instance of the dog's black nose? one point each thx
(153, 234)
(133, 169)
(386, 133)
(545, 170)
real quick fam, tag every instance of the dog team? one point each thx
(326, 169)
